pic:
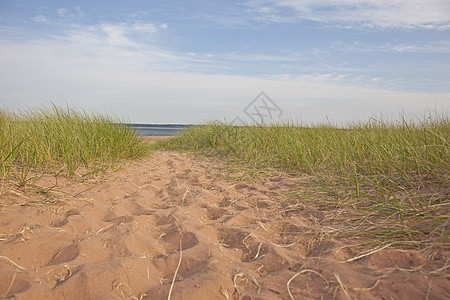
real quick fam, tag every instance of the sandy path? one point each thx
(121, 240)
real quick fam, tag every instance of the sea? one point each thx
(158, 129)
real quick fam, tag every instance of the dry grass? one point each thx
(53, 140)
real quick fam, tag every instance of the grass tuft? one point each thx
(62, 140)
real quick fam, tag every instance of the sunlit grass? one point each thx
(62, 140)
(393, 175)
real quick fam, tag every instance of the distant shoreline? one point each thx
(151, 130)
(169, 125)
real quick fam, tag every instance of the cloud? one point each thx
(133, 45)
(430, 14)
(435, 47)
(132, 83)
(121, 35)
(119, 67)
(67, 13)
(411, 47)
(41, 19)
(62, 12)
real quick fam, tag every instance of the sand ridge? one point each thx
(174, 224)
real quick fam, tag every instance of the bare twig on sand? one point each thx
(10, 285)
(372, 251)
(341, 285)
(176, 272)
(13, 263)
(301, 272)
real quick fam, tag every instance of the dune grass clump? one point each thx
(395, 150)
(397, 172)
(62, 140)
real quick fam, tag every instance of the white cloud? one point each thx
(147, 28)
(113, 34)
(110, 34)
(132, 83)
(67, 13)
(124, 41)
(117, 67)
(263, 58)
(431, 14)
(62, 12)
(41, 19)
(436, 47)
(411, 47)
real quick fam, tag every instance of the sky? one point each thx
(172, 61)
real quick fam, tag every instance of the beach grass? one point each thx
(57, 140)
(391, 177)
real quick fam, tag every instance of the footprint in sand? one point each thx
(215, 213)
(233, 238)
(253, 251)
(188, 276)
(118, 220)
(12, 283)
(161, 220)
(172, 240)
(59, 222)
(65, 254)
(141, 211)
(114, 241)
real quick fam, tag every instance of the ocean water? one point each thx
(158, 129)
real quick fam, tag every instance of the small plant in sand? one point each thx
(62, 140)
(391, 177)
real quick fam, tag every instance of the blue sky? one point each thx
(190, 61)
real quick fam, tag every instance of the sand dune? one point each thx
(174, 224)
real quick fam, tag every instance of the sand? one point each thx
(155, 138)
(176, 226)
